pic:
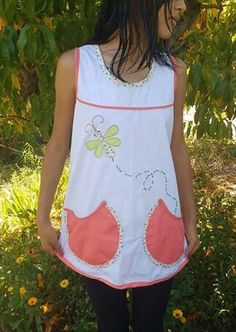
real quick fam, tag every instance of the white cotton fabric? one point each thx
(130, 177)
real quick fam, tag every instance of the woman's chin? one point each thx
(166, 35)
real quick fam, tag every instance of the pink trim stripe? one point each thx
(123, 286)
(175, 81)
(77, 54)
(124, 107)
(173, 61)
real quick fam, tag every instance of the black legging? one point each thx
(149, 304)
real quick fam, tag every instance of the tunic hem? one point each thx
(126, 285)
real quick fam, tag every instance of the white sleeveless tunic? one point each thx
(121, 218)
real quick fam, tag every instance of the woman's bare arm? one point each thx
(182, 163)
(58, 146)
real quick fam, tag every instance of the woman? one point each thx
(128, 219)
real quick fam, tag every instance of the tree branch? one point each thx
(192, 13)
(205, 6)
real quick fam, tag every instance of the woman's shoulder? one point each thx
(67, 59)
(179, 65)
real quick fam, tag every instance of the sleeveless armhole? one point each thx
(173, 61)
(77, 55)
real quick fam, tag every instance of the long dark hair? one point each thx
(142, 18)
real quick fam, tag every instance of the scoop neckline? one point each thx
(110, 76)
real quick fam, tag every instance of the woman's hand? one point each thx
(49, 239)
(192, 239)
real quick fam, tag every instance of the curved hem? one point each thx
(127, 285)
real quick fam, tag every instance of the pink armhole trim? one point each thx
(76, 70)
(173, 61)
(128, 285)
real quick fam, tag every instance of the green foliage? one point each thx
(41, 276)
(204, 290)
(32, 36)
(56, 307)
(34, 33)
(211, 58)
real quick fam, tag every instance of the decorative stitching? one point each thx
(110, 76)
(151, 175)
(156, 262)
(106, 142)
(77, 70)
(117, 254)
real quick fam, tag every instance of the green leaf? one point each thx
(4, 52)
(200, 114)
(222, 130)
(9, 32)
(17, 323)
(213, 127)
(11, 47)
(191, 96)
(200, 132)
(51, 48)
(23, 38)
(73, 27)
(195, 76)
(35, 104)
(40, 7)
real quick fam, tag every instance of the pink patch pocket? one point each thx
(164, 235)
(94, 239)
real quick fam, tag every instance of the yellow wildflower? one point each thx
(5, 99)
(7, 249)
(32, 301)
(19, 259)
(22, 291)
(39, 276)
(41, 284)
(220, 227)
(3, 23)
(64, 283)
(46, 307)
(48, 21)
(17, 26)
(40, 280)
(209, 226)
(177, 313)
(209, 251)
(15, 81)
(10, 289)
(182, 319)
